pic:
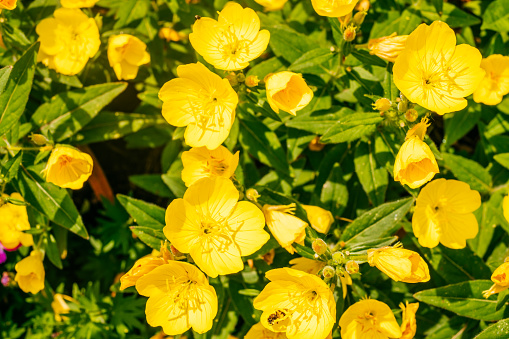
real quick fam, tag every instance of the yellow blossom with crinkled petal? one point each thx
(68, 40)
(233, 40)
(200, 162)
(126, 53)
(180, 298)
(78, 3)
(257, 331)
(8, 4)
(444, 214)
(435, 73)
(215, 228)
(13, 221)
(287, 91)
(307, 265)
(334, 8)
(296, 303)
(409, 324)
(495, 83)
(284, 226)
(399, 264)
(202, 101)
(367, 319)
(30, 273)
(140, 268)
(387, 47)
(68, 167)
(500, 279)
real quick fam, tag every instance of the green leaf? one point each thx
(271, 65)
(469, 171)
(50, 200)
(131, 11)
(373, 177)
(439, 5)
(465, 299)
(377, 223)
(68, 112)
(312, 59)
(15, 95)
(499, 330)
(10, 169)
(109, 126)
(149, 235)
(4, 77)
(496, 16)
(142, 212)
(352, 127)
(259, 141)
(288, 43)
(334, 195)
(319, 122)
(368, 59)
(175, 184)
(152, 183)
(52, 252)
(243, 303)
(458, 124)
(451, 15)
(502, 159)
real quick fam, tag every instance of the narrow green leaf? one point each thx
(377, 223)
(312, 59)
(469, 171)
(50, 200)
(458, 124)
(4, 77)
(175, 184)
(499, 330)
(143, 212)
(496, 16)
(152, 183)
(288, 43)
(68, 112)
(242, 303)
(52, 252)
(439, 6)
(334, 195)
(373, 177)
(150, 236)
(465, 299)
(15, 95)
(10, 169)
(319, 122)
(352, 127)
(502, 159)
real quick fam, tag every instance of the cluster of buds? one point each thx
(394, 112)
(350, 24)
(238, 78)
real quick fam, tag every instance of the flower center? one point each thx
(217, 166)
(64, 160)
(441, 76)
(185, 295)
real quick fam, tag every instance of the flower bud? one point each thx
(382, 104)
(169, 34)
(232, 78)
(252, 81)
(358, 18)
(363, 5)
(252, 194)
(399, 264)
(241, 77)
(319, 246)
(338, 257)
(411, 115)
(328, 272)
(352, 267)
(349, 33)
(39, 139)
(320, 219)
(315, 145)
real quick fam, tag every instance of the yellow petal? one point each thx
(246, 225)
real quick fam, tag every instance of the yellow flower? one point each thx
(320, 219)
(272, 5)
(180, 297)
(495, 83)
(387, 47)
(60, 306)
(202, 101)
(232, 41)
(287, 91)
(78, 3)
(307, 265)
(141, 267)
(169, 34)
(284, 226)
(199, 162)
(126, 53)
(8, 4)
(435, 73)
(367, 319)
(215, 228)
(500, 278)
(297, 303)
(409, 324)
(67, 41)
(443, 213)
(30, 273)
(415, 163)
(259, 332)
(399, 264)
(68, 167)
(13, 221)
(334, 8)
(505, 207)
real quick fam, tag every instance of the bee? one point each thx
(278, 315)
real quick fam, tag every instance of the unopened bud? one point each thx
(252, 194)
(382, 104)
(241, 77)
(252, 81)
(363, 5)
(328, 272)
(315, 145)
(338, 257)
(349, 33)
(232, 78)
(319, 246)
(358, 18)
(39, 139)
(175, 251)
(352, 267)
(411, 115)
